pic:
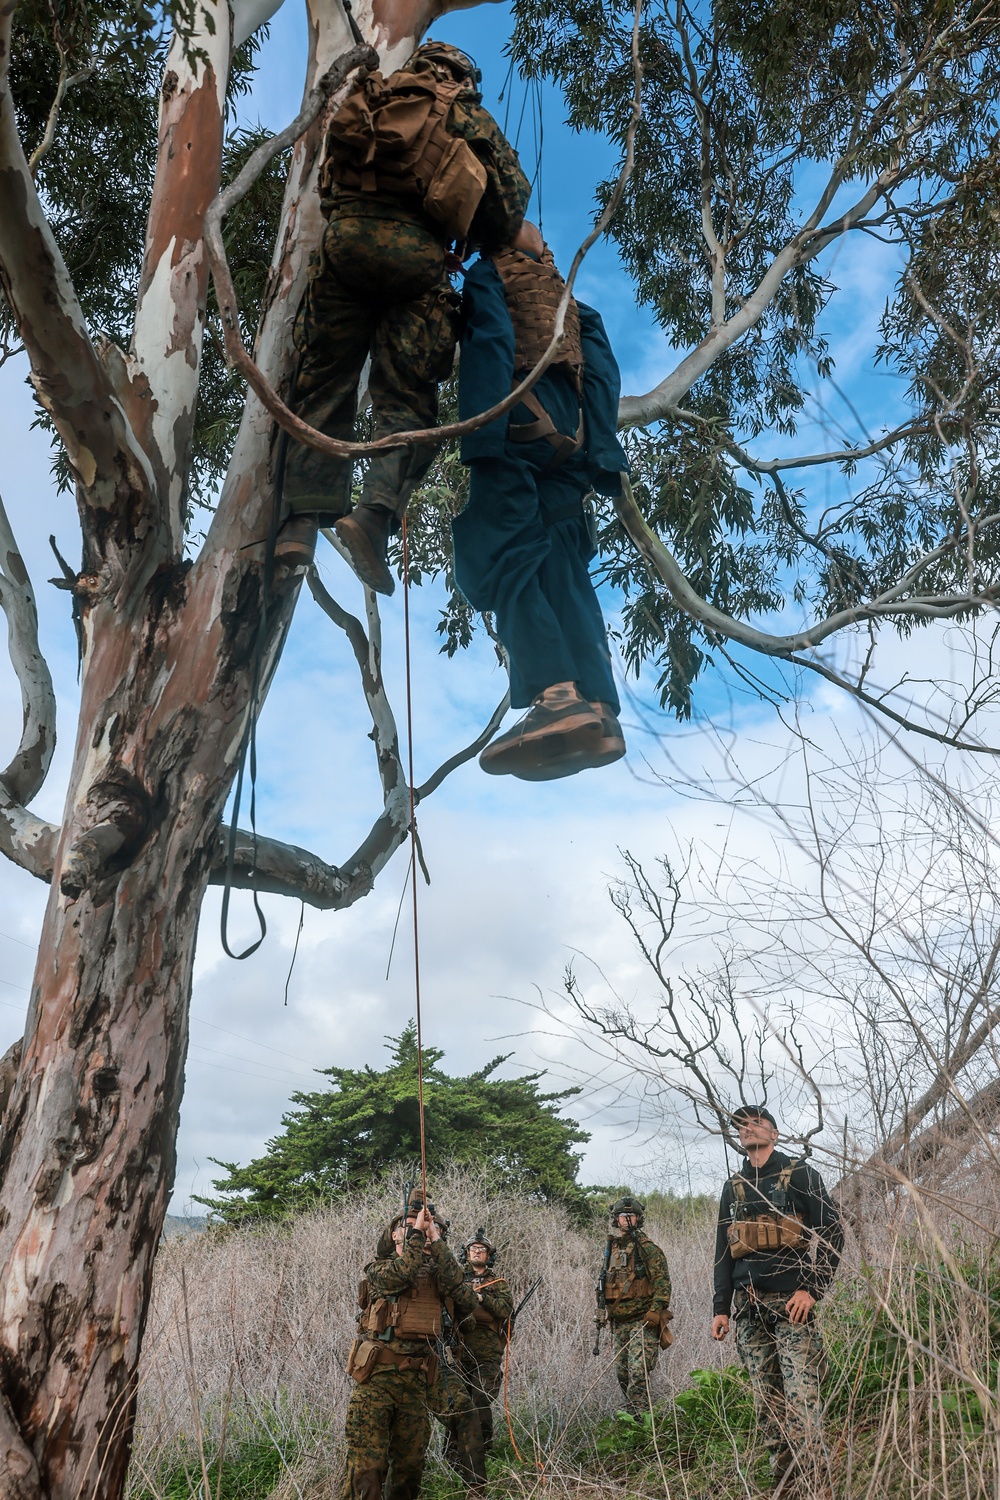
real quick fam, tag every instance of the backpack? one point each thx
(391, 136)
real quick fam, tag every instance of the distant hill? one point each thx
(173, 1226)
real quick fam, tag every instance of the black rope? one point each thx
(295, 950)
(249, 741)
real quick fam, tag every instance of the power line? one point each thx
(12, 939)
(251, 1060)
(266, 1045)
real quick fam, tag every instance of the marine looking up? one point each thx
(778, 1244)
(412, 1291)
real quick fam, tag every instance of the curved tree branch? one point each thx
(66, 371)
(888, 605)
(26, 772)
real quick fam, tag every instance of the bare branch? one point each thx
(26, 772)
(884, 606)
(66, 82)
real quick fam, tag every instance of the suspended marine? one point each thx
(413, 165)
(524, 543)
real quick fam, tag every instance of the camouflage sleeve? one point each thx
(498, 1300)
(659, 1275)
(501, 211)
(449, 1275)
(394, 1274)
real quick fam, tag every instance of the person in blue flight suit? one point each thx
(524, 542)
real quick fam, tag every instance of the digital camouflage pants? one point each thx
(786, 1364)
(388, 1428)
(637, 1349)
(482, 1381)
(380, 289)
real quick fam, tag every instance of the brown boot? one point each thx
(559, 722)
(295, 545)
(365, 535)
(607, 748)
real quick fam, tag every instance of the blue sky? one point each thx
(519, 872)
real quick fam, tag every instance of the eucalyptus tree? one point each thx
(765, 141)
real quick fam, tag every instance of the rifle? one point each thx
(601, 1316)
(523, 1302)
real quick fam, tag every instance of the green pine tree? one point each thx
(347, 1135)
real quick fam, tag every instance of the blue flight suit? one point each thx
(523, 545)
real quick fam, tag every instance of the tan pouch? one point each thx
(666, 1337)
(362, 1360)
(456, 189)
(792, 1232)
(742, 1238)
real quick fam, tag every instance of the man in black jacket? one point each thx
(778, 1245)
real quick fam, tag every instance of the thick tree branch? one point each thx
(173, 287)
(26, 772)
(888, 605)
(65, 369)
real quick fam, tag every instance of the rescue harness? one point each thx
(533, 289)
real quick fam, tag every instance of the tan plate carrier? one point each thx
(416, 1313)
(766, 1231)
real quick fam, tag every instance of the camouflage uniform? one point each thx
(784, 1360)
(388, 1417)
(786, 1365)
(381, 287)
(484, 1344)
(635, 1320)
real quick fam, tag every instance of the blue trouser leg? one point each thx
(534, 578)
(500, 547)
(565, 580)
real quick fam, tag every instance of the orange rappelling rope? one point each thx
(413, 863)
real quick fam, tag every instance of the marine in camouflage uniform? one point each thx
(772, 1201)
(404, 1379)
(382, 288)
(484, 1342)
(637, 1295)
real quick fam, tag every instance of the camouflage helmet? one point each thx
(480, 1238)
(443, 55)
(628, 1205)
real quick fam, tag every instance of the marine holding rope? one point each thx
(524, 542)
(634, 1296)
(484, 1342)
(413, 163)
(777, 1247)
(411, 1293)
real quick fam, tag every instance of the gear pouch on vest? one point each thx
(456, 189)
(362, 1360)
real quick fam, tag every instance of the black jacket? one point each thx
(779, 1270)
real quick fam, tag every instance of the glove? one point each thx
(652, 1319)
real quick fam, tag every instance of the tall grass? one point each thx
(249, 1333)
